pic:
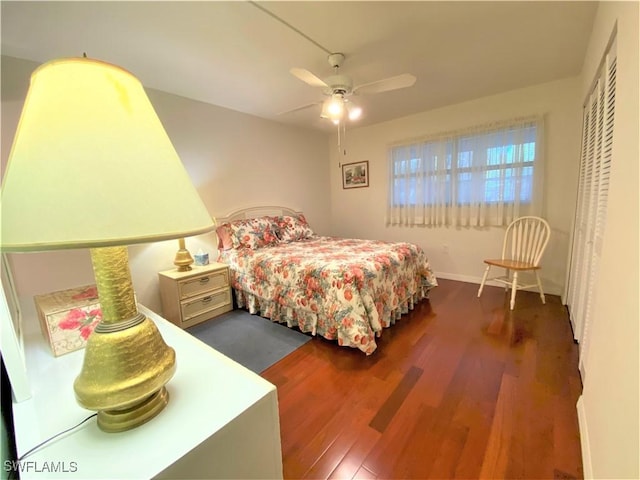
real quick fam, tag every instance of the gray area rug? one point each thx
(252, 341)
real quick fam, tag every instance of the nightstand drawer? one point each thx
(204, 303)
(203, 283)
(207, 315)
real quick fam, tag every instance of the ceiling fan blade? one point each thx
(303, 107)
(307, 77)
(391, 83)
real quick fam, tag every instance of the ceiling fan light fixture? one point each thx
(335, 108)
(325, 109)
(339, 87)
(354, 111)
(331, 109)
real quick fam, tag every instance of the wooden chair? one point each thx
(524, 243)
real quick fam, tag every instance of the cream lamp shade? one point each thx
(91, 165)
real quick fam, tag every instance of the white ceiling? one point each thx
(235, 55)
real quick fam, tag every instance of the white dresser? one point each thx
(221, 421)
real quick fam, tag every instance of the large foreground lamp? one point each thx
(92, 167)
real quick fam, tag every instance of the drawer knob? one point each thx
(204, 280)
(207, 299)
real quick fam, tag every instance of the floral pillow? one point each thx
(253, 233)
(224, 234)
(291, 228)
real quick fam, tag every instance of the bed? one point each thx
(347, 290)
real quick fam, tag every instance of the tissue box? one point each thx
(68, 317)
(202, 259)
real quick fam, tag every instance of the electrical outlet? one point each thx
(445, 248)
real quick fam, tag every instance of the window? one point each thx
(487, 176)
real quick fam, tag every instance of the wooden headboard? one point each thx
(253, 212)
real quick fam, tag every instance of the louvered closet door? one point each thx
(591, 211)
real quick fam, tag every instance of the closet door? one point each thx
(591, 211)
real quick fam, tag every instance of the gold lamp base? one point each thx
(183, 258)
(123, 374)
(120, 420)
(126, 361)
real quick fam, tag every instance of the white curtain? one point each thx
(484, 175)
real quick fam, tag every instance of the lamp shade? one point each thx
(92, 166)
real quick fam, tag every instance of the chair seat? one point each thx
(512, 264)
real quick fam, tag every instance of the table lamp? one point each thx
(91, 166)
(183, 258)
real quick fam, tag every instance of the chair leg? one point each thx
(484, 279)
(514, 287)
(540, 286)
(507, 274)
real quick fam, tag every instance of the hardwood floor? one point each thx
(460, 388)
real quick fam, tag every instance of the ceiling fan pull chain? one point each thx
(344, 136)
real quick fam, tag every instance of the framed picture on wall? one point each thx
(355, 175)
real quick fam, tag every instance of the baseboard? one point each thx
(465, 278)
(550, 290)
(584, 439)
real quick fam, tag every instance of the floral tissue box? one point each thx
(68, 317)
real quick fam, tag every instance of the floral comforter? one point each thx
(342, 289)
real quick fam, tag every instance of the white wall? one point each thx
(608, 408)
(360, 212)
(234, 160)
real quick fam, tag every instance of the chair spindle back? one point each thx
(526, 239)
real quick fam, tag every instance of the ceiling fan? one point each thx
(339, 87)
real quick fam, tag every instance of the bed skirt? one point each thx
(313, 322)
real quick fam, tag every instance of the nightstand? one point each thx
(191, 297)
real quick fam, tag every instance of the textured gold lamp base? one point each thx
(123, 372)
(183, 258)
(120, 420)
(126, 361)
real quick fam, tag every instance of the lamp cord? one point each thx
(43, 443)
